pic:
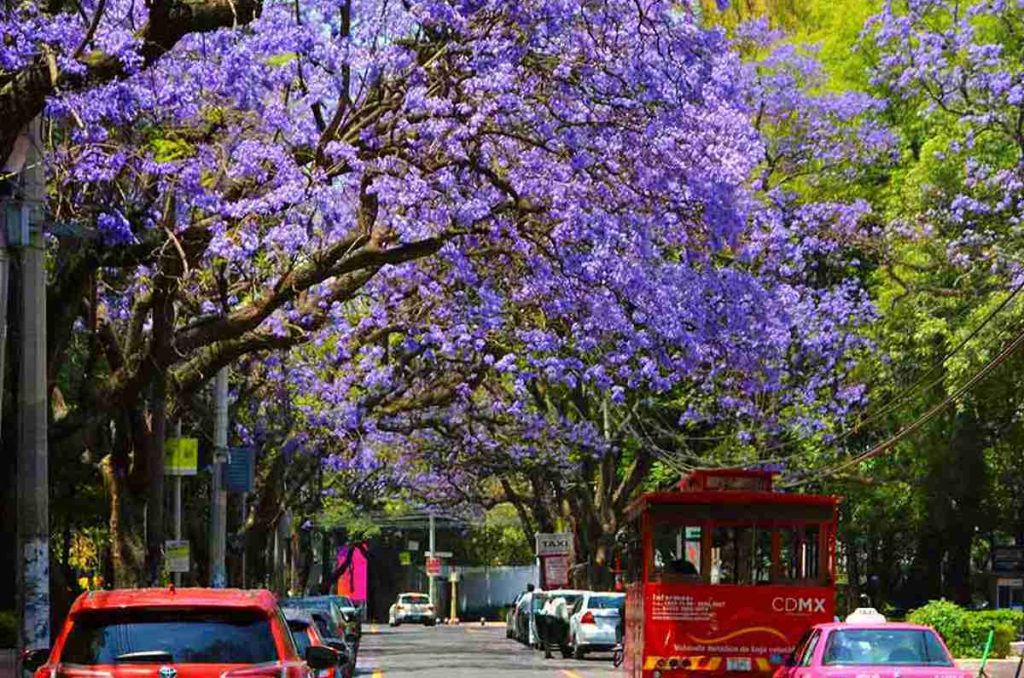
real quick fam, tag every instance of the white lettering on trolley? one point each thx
(798, 605)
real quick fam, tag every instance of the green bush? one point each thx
(965, 632)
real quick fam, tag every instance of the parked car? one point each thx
(412, 608)
(199, 633)
(306, 632)
(530, 606)
(593, 621)
(331, 633)
(341, 609)
(884, 650)
(524, 633)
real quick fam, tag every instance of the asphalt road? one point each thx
(463, 652)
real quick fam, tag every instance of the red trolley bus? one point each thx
(725, 575)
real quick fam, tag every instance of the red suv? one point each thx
(183, 633)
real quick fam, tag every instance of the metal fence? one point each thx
(488, 591)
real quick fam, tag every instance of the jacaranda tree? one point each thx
(533, 190)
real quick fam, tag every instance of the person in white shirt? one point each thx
(554, 628)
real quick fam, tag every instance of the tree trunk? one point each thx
(127, 541)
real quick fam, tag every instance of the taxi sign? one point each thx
(865, 615)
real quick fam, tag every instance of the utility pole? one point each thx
(219, 508)
(177, 503)
(33, 559)
(430, 577)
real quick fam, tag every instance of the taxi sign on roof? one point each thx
(865, 615)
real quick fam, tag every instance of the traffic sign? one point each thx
(439, 554)
(554, 543)
(176, 555)
(405, 558)
(181, 456)
(434, 567)
(556, 571)
(239, 474)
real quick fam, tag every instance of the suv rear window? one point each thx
(185, 636)
(605, 602)
(414, 600)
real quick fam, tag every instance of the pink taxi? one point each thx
(871, 650)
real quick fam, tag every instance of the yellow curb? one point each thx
(377, 673)
(568, 673)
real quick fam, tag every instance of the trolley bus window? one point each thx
(800, 553)
(741, 555)
(676, 552)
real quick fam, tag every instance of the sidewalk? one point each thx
(996, 668)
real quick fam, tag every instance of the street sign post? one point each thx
(176, 555)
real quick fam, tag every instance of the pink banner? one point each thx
(352, 582)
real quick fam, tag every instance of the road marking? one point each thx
(567, 673)
(373, 628)
(377, 673)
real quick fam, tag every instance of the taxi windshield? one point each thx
(885, 647)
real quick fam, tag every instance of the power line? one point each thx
(901, 397)
(978, 376)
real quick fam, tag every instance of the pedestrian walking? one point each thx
(554, 624)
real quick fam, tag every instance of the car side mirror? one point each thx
(33, 659)
(321, 657)
(338, 646)
(789, 659)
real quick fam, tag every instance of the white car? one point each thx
(413, 608)
(592, 622)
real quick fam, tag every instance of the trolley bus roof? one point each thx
(719, 497)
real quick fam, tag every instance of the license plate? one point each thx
(737, 664)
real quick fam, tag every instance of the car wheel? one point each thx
(577, 651)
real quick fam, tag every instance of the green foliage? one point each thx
(168, 150)
(8, 628)
(281, 59)
(966, 632)
(500, 540)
